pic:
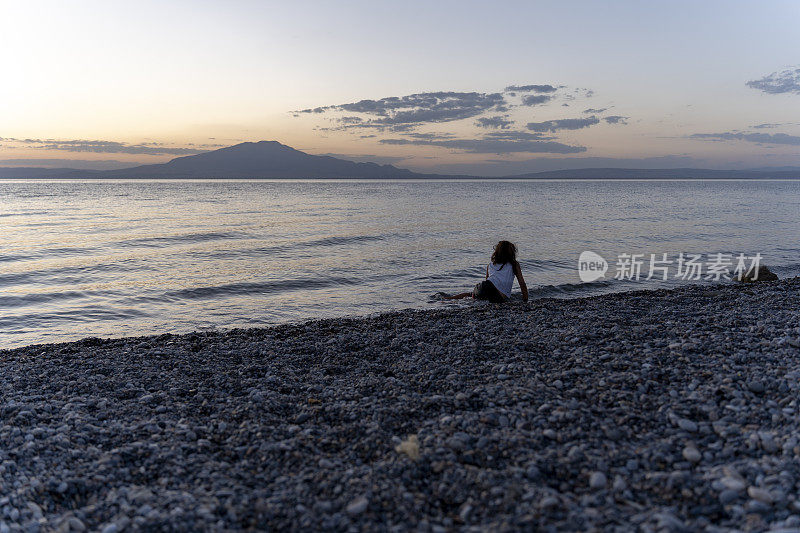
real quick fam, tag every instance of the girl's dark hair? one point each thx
(504, 252)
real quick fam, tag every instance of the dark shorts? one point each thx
(485, 290)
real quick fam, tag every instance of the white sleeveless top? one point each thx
(502, 277)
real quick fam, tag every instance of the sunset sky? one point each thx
(480, 87)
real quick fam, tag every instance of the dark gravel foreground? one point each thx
(666, 410)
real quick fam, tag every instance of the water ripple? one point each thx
(178, 239)
(257, 288)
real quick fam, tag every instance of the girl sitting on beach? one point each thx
(500, 273)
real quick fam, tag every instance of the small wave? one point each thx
(14, 323)
(317, 243)
(249, 288)
(7, 302)
(546, 264)
(48, 252)
(72, 274)
(577, 288)
(327, 241)
(12, 258)
(155, 242)
(453, 276)
(25, 214)
(438, 297)
(335, 241)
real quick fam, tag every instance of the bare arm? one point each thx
(521, 280)
(487, 271)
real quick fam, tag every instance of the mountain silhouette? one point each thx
(264, 159)
(271, 159)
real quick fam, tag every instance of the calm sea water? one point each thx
(88, 258)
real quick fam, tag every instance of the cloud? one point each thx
(785, 81)
(563, 124)
(616, 119)
(592, 111)
(492, 145)
(431, 136)
(517, 136)
(498, 122)
(81, 164)
(771, 125)
(110, 147)
(368, 158)
(763, 138)
(405, 113)
(413, 109)
(531, 88)
(535, 99)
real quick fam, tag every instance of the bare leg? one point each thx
(458, 296)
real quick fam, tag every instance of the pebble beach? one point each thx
(666, 410)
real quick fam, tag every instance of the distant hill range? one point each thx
(271, 159)
(660, 173)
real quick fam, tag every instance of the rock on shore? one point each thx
(665, 410)
(763, 273)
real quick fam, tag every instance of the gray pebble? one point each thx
(357, 506)
(597, 480)
(692, 454)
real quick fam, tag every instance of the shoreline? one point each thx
(514, 301)
(668, 408)
(379, 180)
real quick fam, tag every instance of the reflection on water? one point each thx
(81, 258)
